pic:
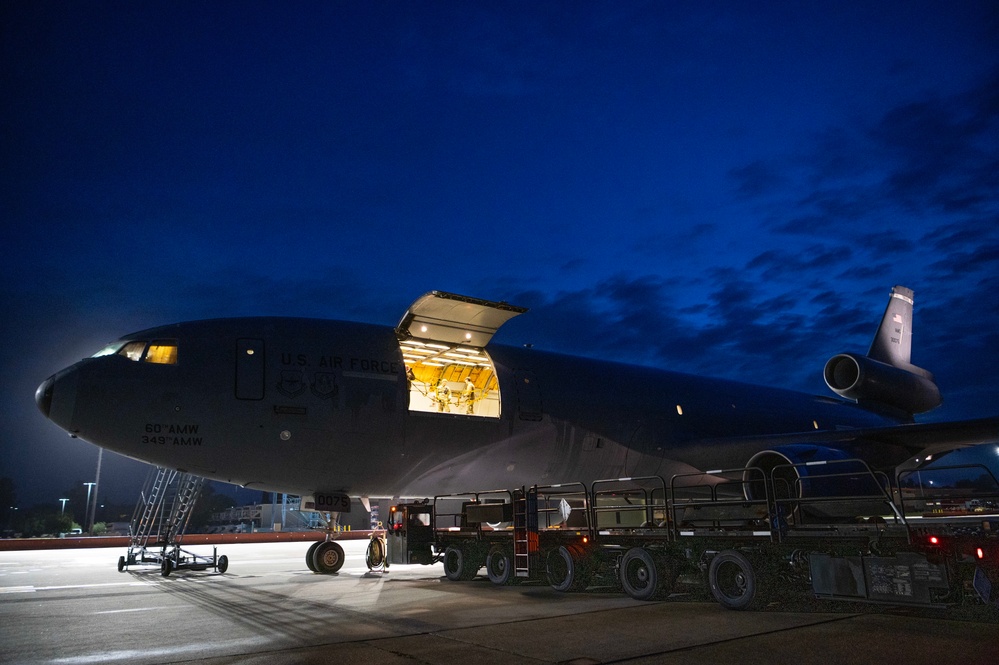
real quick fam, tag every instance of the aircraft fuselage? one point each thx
(303, 405)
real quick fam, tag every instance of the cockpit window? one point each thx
(159, 352)
(162, 353)
(109, 350)
(133, 350)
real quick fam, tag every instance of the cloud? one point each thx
(933, 155)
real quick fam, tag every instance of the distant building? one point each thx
(281, 516)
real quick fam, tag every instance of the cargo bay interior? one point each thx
(450, 379)
(443, 338)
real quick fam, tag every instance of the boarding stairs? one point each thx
(164, 507)
(159, 521)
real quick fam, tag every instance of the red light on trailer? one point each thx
(934, 540)
(980, 553)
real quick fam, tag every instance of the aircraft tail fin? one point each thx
(892, 344)
(886, 378)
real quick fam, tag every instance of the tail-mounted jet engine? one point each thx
(885, 377)
(865, 380)
(801, 470)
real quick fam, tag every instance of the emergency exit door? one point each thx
(250, 369)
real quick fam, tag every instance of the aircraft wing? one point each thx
(928, 437)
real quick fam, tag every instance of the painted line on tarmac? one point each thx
(134, 609)
(144, 655)
(32, 589)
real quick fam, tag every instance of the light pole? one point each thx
(86, 511)
(64, 505)
(97, 479)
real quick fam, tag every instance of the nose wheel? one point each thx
(325, 558)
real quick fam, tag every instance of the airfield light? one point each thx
(679, 410)
(249, 352)
(64, 504)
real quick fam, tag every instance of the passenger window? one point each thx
(450, 379)
(133, 350)
(162, 353)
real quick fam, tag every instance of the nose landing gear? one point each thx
(326, 557)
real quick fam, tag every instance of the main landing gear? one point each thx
(326, 557)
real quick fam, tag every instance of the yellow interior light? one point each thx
(162, 354)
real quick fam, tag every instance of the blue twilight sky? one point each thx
(726, 188)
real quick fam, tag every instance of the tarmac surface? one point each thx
(73, 607)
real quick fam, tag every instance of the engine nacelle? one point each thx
(801, 470)
(865, 380)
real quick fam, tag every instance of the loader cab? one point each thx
(410, 534)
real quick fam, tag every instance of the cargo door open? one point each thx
(443, 338)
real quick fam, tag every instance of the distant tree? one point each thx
(45, 521)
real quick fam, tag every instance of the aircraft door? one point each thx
(250, 369)
(528, 395)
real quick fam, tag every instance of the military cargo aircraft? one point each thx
(333, 410)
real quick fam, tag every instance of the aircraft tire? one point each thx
(458, 564)
(732, 580)
(645, 576)
(121, 564)
(566, 570)
(499, 565)
(308, 556)
(328, 558)
(223, 564)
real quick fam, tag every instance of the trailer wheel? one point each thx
(458, 564)
(308, 556)
(121, 563)
(328, 558)
(166, 567)
(499, 565)
(223, 564)
(565, 568)
(644, 576)
(732, 580)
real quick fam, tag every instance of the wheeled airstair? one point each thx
(159, 521)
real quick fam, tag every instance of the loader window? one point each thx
(452, 379)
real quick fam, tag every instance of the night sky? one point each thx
(721, 188)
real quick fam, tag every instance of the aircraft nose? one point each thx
(56, 397)
(43, 395)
